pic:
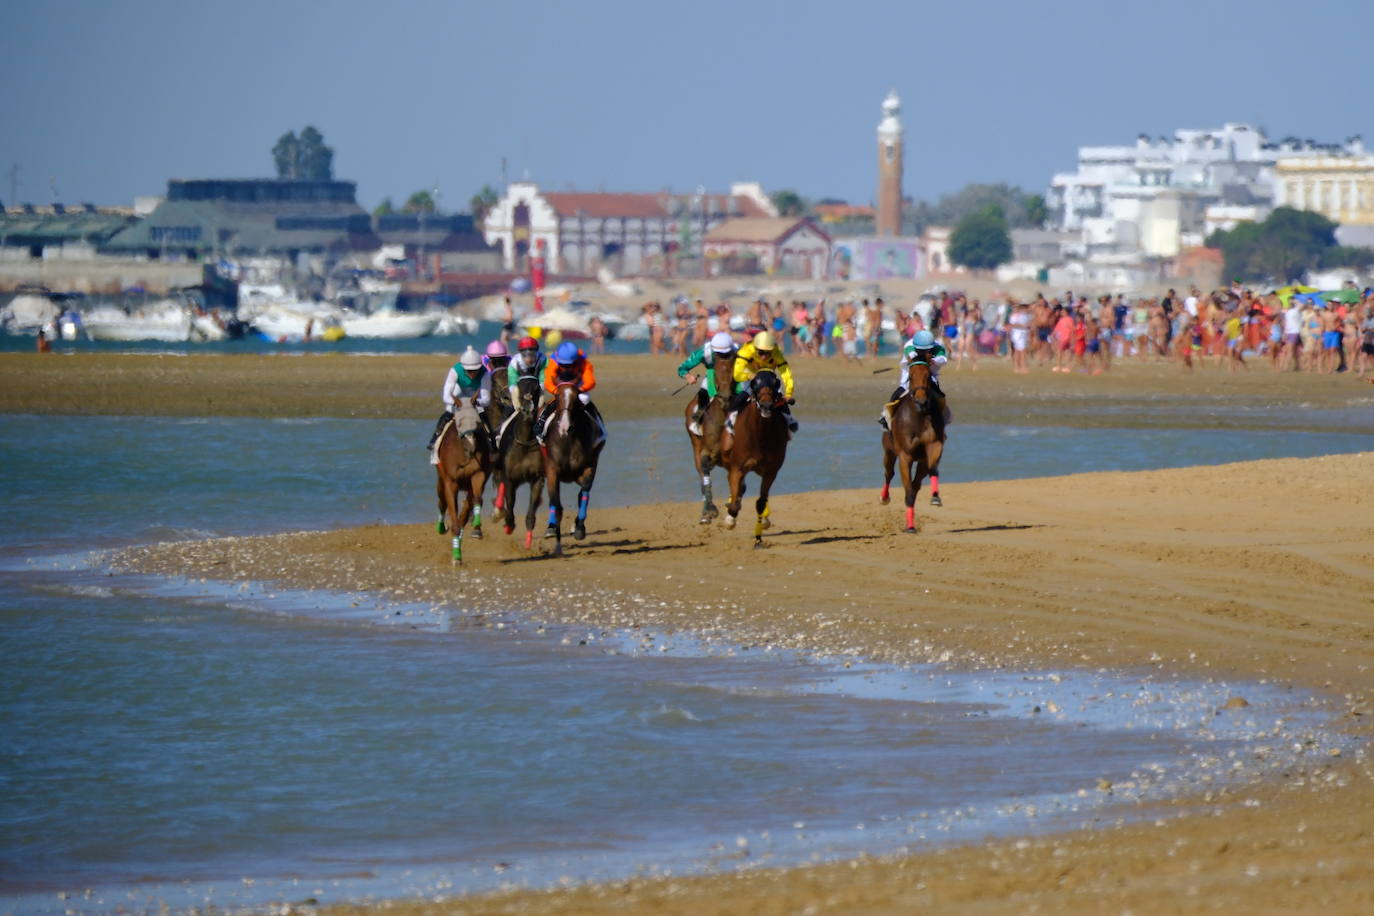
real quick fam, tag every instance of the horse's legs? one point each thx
(933, 453)
(555, 529)
(736, 496)
(505, 503)
(889, 465)
(476, 484)
(584, 496)
(535, 496)
(443, 500)
(455, 522)
(708, 504)
(909, 490)
(761, 505)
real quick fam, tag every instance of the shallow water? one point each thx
(164, 741)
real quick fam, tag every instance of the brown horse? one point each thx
(570, 456)
(914, 439)
(706, 447)
(464, 463)
(519, 459)
(758, 444)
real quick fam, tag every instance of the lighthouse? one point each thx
(889, 220)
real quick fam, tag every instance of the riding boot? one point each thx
(542, 423)
(791, 420)
(600, 424)
(737, 403)
(699, 411)
(438, 428)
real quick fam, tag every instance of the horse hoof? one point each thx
(729, 521)
(509, 529)
(551, 531)
(936, 501)
(580, 531)
(477, 533)
(884, 499)
(911, 531)
(439, 527)
(758, 543)
(557, 551)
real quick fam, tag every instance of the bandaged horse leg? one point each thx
(580, 526)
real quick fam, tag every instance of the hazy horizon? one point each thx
(107, 102)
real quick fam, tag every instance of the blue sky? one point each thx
(108, 100)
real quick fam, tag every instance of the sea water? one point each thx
(198, 744)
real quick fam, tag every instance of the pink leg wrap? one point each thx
(911, 516)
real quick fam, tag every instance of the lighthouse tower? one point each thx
(889, 221)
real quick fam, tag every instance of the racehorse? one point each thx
(914, 439)
(519, 460)
(758, 444)
(706, 447)
(569, 457)
(464, 463)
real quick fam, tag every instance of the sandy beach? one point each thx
(1257, 570)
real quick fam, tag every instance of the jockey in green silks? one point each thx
(922, 347)
(722, 346)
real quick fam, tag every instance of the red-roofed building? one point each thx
(629, 233)
(786, 246)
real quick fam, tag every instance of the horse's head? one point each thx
(565, 395)
(918, 383)
(765, 390)
(527, 391)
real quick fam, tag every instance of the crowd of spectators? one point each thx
(1290, 329)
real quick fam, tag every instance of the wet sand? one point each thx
(1256, 570)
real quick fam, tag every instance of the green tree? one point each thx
(981, 240)
(1284, 247)
(385, 208)
(303, 158)
(287, 155)
(788, 203)
(316, 159)
(420, 202)
(1037, 213)
(1016, 205)
(482, 202)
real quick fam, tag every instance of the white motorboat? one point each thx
(27, 313)
(450, 324)
(165, 320)
(391, 325)
(570, 324)
(281, 322)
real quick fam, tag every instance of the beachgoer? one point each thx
(757, 355)
(570, 365)
(722, 346)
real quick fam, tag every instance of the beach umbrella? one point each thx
(1348, 296)
(1288, 292)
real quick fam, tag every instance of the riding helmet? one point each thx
(496, 349)
(923, 340)
(528, 343)
(763, 340)
(470, 359)
(566, 354)
(722, 342)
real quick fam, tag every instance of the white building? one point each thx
(1154, 197)
(630, 233)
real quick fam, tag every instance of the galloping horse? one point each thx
(494, 414)
(569, 457)
(464, 463)
(520, 461)
(913, 439)
(758, 444)
(706, 447)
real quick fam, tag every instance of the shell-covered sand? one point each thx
(1257, 570)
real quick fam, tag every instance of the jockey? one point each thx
(722, 346)
(497, 357)
(922, 347)
(528, 363)
(759, 354)
(570, 364)
(467, 380)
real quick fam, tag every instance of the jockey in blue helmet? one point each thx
(570, 365)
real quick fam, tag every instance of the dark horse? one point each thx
(494, 414)
(569, 457)
(914, 439)
(706, 447)
(758, 444)
(520, 461)
(464, 463)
